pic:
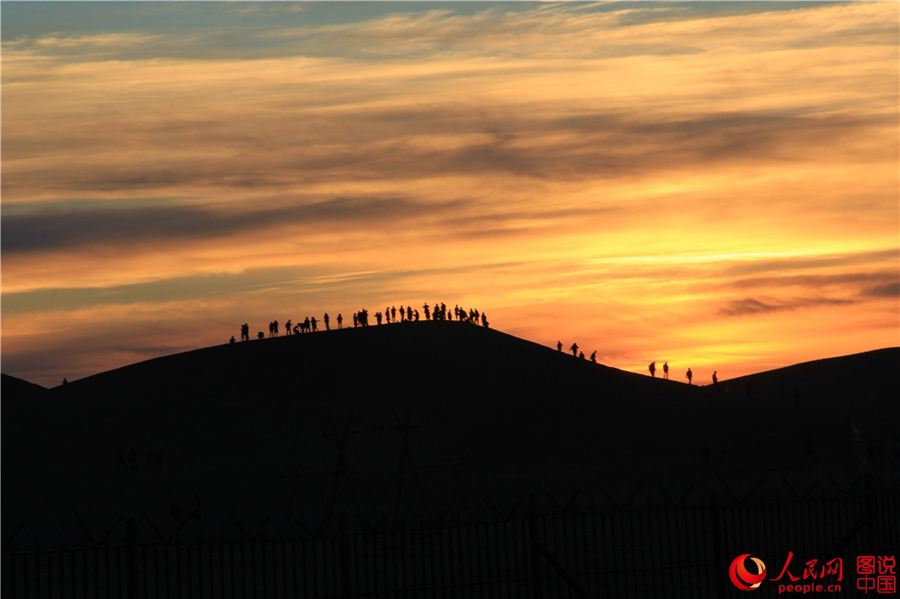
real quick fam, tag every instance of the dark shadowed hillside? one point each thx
(14, 389)
(244, 429)
(864, 387)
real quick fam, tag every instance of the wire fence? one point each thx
(677, 551)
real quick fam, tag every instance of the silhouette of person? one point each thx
(594, 357)
(378, 317)
(313, 322)
(574, 349)
(653, 369)
(287, 327)
(394, 313)
(275, 327)
(581, 355)
(558, 345)
(690, 376)
(484, 321)
(65, 381)
(327, 327)
(355, 320)
(715, 378)
(260, 335)
(427, 312)
(340, 320)
(245, 332)
(666, 370)
(416, 314)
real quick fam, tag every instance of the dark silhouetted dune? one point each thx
(13, 388)
(243, 426)
(864, 387)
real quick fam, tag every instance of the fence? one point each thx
(621, 552)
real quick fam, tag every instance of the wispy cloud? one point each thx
(751, 306)
(68, 230)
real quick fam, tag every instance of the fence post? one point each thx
(535, 550)
(718, 553)
(344, 550)
(131, 562)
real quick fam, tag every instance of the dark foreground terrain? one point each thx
(396, 425)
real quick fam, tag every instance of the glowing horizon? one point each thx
(710, 184)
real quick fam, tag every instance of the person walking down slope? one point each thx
(653, 369)
(574, 349)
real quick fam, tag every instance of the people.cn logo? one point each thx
(741, 577)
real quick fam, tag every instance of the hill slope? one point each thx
(493, 417)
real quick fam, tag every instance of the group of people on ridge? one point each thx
(575, 352)
(361, 319)
(689, 374)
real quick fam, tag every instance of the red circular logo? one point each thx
(741, 577)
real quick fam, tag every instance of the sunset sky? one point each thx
(712, 184)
